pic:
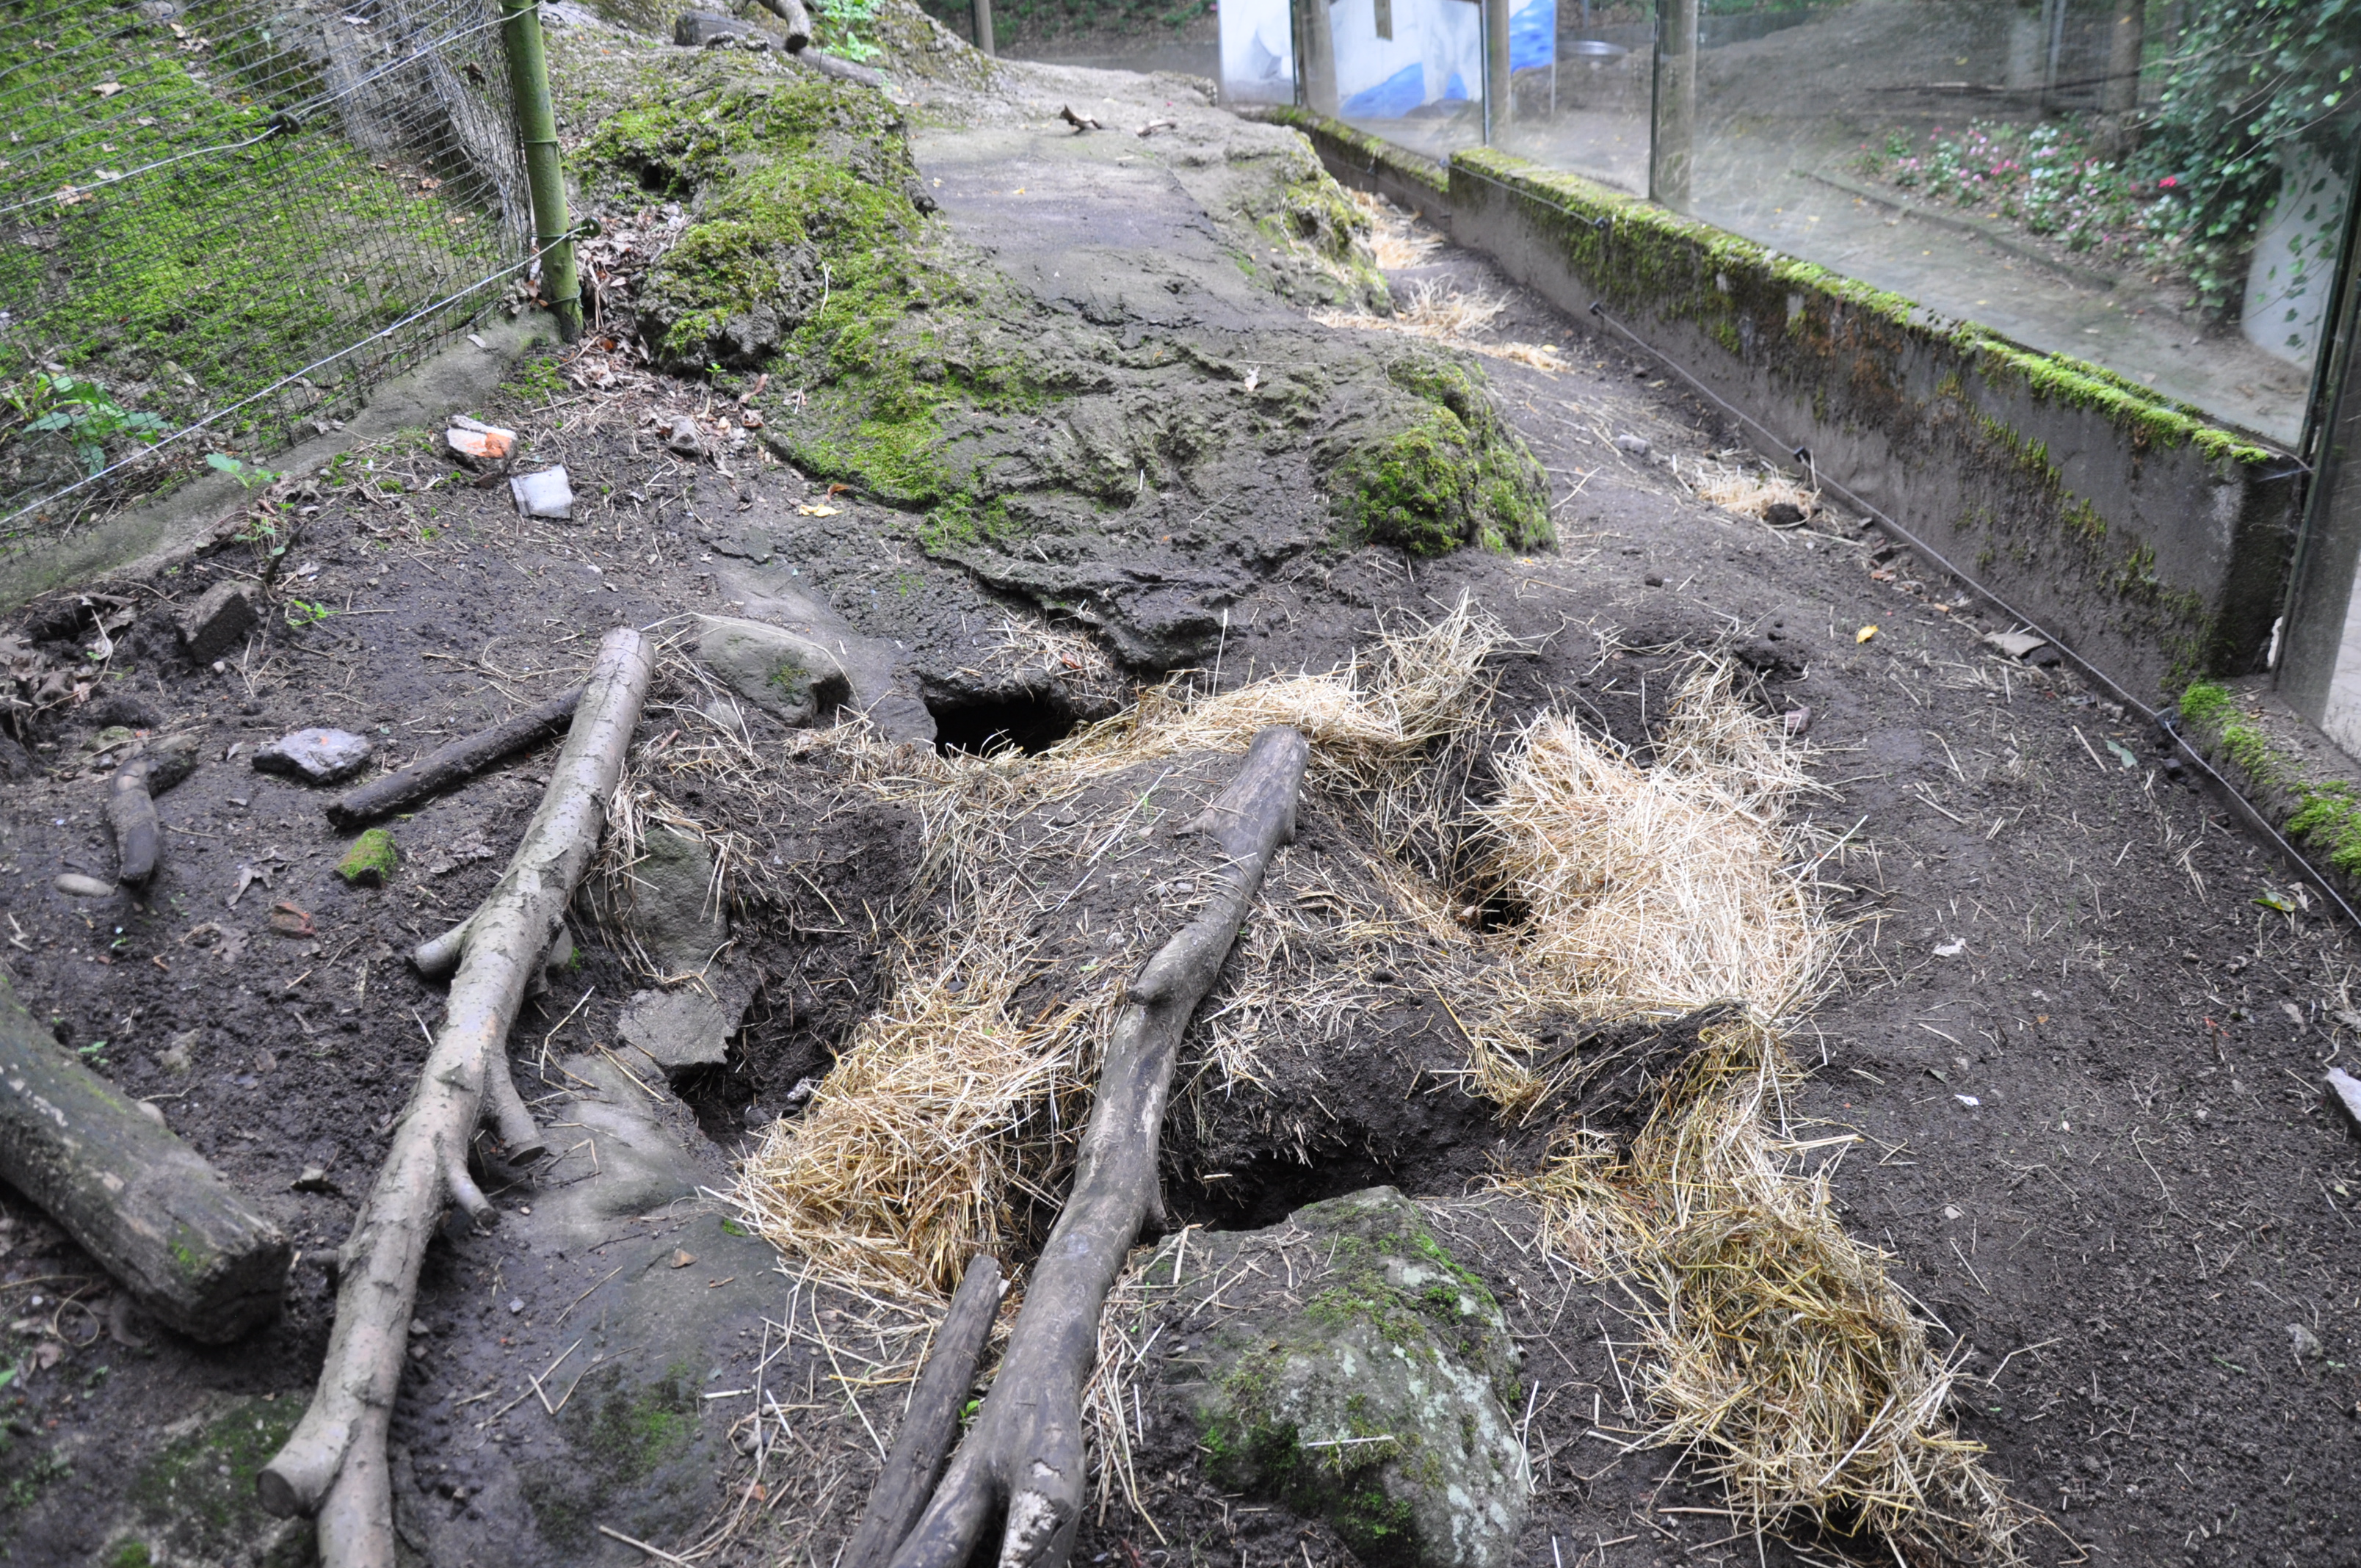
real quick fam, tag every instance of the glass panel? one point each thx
(1409, 70)
(1579, 74)
(1257, 53)
(2088, 177)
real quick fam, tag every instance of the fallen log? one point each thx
(153, 767)
(157, 1217)
(798, 21)
(333, 1463)
(461, 760)
(925, 1441)
(1024, 1457)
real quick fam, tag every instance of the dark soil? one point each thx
(2068, 1017)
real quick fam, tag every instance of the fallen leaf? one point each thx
(48, 1353)
(107, 89)
(812, 510)
(1864, 634)
(1950, 949)
(2271, 900)
(683, 1259)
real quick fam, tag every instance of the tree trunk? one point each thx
(146, 1205)
(1024, 1451)
(924, 1440)
(461, 760)
(334, 1461)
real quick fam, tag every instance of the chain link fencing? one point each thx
(221, 222)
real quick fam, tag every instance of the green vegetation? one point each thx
(200, 1488)
(2322, 816)
(1456, 475)
(370, 861)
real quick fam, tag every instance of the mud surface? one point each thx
(2079, 1037)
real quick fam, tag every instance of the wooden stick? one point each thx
(333, 1463)
(1024, 1453)
(798, 21)
(146, 1205)
(925, 1441)
(461, 760)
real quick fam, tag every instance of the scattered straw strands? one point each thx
(1397, 240)
(1750, 492)
(1447, 315)
(1779, 1354)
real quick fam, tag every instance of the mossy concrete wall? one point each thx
(2154, 544)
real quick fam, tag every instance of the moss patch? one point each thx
(196, 1499)
(2322, 816)
(1456, 474)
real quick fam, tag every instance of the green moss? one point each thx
(130, 1555)
(370, 861)
(2322, 816)
(200, 1488)
(1455, 475)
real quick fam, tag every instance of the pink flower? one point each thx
(2169, 182)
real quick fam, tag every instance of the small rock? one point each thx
(217, 624)
(544, 494)
(1953, 1211)
(177, 1056)
(2305, 1343)
(678, 1028)
(1784, 514)
(370, 861)
(1636, 445)
(682, 437)
(314, 1179)
(1970, 1101)
(682, 1259)
(315, 756)
(2348, 1090)
(73, 885)
(1652, 580)
(516, 1305)
(1950, 949)
(150, 1110)
(1798, 718)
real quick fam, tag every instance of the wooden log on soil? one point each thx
(1023, 1456)
(925, 1441)
(153, 767)
(461, 760)
(333, 1463)
(157, 1217)
(798, 21)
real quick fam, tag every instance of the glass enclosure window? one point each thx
(1579, 89)
(1409, 70)
(1257, 53)
(2059, 170)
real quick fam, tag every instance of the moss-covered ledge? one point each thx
(2152, 540)
(1409, 180)
(2301, 782)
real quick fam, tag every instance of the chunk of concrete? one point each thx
(794, 677)
(219, 622)
(1376, 1395)
(315, 756)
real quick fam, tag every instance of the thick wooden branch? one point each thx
(1023, 1456)
(924, 1440)
(461, 760)
(333, 1463)
(157, 1217)
(798, 21)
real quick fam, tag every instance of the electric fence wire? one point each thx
(2164, 722)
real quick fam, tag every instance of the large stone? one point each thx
(1379, 1403)
(315, 756)
(217, 624)
(795, 678)
(685, 1028)
(673, 914)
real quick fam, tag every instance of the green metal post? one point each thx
(537, 128)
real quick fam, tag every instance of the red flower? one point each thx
(2169, 181)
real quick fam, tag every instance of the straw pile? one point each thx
(1749, 491)
(1779, 1354)
(1448, 315)
(1396, 238)
(952, 1112)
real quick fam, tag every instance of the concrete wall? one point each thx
(2152, 543)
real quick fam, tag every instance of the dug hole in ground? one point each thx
(1733, 1066)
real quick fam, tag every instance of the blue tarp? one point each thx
(1532, 36)
(1391, 99)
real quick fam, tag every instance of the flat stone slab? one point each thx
(680, 1028)
(315, 756)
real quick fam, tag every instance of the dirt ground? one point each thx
(2073, 1010)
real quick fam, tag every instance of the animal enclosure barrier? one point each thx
(220, 222)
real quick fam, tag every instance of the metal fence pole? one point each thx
(982, 18)
(1497, 92)
(1672, 145)
(537, 128)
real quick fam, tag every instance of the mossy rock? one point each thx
(194, 1501)
(370, 861)
(1380, 1404)
(1455, 475)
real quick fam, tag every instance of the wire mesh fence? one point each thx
(200, 202)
